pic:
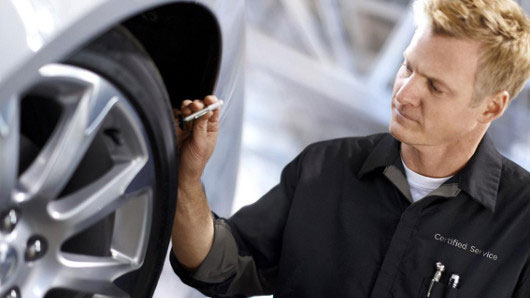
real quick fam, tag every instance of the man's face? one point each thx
(433, 90)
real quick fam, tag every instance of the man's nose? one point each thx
(409, 92)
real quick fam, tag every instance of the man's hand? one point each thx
(197, 139)
(193, 230)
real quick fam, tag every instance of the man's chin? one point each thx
(396, 132)
(402, 135)
(410, 139)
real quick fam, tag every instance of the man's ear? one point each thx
(494, 106)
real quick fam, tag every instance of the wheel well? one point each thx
(184, 41)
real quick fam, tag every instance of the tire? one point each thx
(118, 57)
(139, 119)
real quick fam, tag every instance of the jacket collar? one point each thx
(479, 178)
(385, 153)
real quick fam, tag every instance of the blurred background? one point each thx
(322, 69)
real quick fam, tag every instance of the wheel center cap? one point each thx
(8, 262)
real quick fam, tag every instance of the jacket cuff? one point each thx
(221, 262)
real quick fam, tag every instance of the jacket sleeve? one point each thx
(244, 256)
(522, 289)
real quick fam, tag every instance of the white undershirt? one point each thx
(420, 185)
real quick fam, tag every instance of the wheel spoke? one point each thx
(132, 224)
(32, 292)
(74, 133)
(9, 147)
(90, 204)
(93, 274)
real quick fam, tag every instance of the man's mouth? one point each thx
(400, 113)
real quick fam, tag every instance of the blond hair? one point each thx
(502, 28)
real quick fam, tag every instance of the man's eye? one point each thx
(433, 88)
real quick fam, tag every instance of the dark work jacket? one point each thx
(341, 223)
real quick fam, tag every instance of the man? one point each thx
(429, 210)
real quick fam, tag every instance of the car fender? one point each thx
(37, 32)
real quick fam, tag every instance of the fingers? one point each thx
(189, 107)
(185, 103)
(186, 111)
(211, 99)
(200, 125)
(185, 108)
(196, 105)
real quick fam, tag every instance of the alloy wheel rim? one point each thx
(39, 218)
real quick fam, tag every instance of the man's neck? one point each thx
(443, 160)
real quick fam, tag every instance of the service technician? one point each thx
(430, 209)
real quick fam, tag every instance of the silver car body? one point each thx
(37, 32)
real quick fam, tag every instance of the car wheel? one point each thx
(88, 178)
